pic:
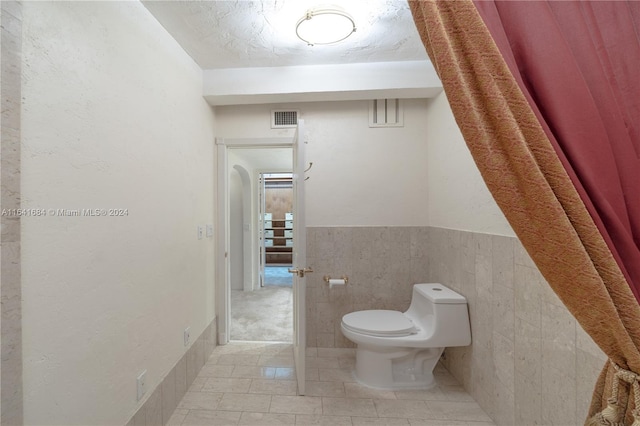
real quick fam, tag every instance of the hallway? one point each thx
(264, 315)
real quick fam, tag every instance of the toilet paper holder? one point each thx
(327, 278)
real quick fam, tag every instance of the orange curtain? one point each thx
(529, 180)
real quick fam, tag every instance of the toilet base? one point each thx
(396, 368)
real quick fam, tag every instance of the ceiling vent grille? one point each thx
(385, 113)
(281, 119)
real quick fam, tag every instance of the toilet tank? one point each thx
(441, 313)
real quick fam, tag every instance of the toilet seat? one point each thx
(382, 323)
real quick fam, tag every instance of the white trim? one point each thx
(254, 142)
(222, 245)
(309, 83)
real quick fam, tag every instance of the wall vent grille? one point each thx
(284, 119)
(385, 113)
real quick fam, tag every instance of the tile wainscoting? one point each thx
(163, 400)
(382, 264)
(524, 339)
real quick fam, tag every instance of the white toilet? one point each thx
(399, 350)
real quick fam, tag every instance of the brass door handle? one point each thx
(299, 272)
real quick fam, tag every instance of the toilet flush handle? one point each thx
(300, 272)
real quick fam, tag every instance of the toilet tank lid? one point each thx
(437, 293)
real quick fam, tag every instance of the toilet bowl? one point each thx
(399, 350)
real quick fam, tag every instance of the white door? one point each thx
(299, 268)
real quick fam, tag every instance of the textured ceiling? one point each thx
(239, 34)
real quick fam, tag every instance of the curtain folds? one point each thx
(542, 99)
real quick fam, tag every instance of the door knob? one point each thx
(299, 272)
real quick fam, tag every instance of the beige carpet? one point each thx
(262, 315)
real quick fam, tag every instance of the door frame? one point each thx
(222, 288)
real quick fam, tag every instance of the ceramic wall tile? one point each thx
(139, 419)
(503, 260)
(588, 368)
(520, 255)
(529, 330)
(11, 399)
(210, 339)
(169, 401)
(153, 408)
(528, 349)
(13, 8)
(503, 352)
(559, 406)
(527, 294)
(519, 326)
(503, 311)
(370, 242)
(163, 401)
(419, 242)
(181, 378)
(585, 342)
(192, 362)
(558, 339)
(325, 340)
(505, 407)
(483, 379)
(11, 331)
(381, 263)
(528, 401)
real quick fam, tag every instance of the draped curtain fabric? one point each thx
(547, 97)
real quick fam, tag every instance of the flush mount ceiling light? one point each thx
(325, 25)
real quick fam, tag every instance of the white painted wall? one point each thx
(243, 273)
(361, 176)
(458, 197)
(113, 117)
(418, 175)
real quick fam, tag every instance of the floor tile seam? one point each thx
(226, 411)
(280, 357)
(242, 364)
(371, 399)
(233, 411)
(384, 418)
(333, 356)
(423, 402)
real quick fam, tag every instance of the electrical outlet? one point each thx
(141, 381)
(209, 231)
(200, 231)
(187, 335)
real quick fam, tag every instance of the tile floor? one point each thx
(254, 384)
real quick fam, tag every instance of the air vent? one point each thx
(385, 113)
(284, 119)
